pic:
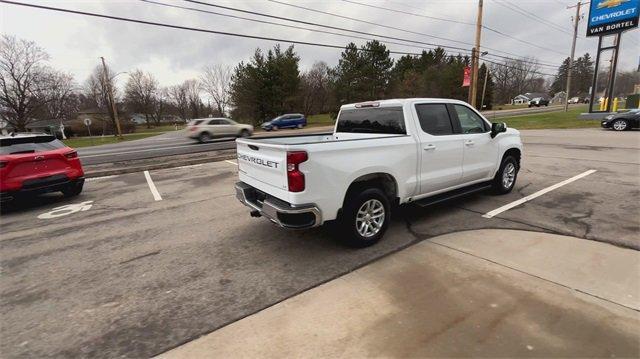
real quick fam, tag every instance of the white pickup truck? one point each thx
(380, 154)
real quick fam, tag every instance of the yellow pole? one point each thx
(615, 104)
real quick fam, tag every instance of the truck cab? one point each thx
(380, 153)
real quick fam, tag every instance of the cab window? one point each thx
(434, 119)
(470, 122)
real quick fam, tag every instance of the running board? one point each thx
(460, 192)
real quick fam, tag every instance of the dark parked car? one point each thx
(291, 120)
(539, 101)
(38, 163)
(622, 121)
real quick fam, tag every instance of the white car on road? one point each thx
(380, 154)
(204, 129)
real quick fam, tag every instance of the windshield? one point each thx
(372, 120)
(17, 145)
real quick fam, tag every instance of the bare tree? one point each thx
(24, 77)
(514, 77)
(216, 82)
(314, 86)
(63, 98)
(160, 104)
(178, 99)
(192, 90)
(140, 94)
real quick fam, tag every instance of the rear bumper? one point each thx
(42, 185)
(278, 211)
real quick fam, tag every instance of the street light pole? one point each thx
(484, 86)
(573, 50)
(114, 108)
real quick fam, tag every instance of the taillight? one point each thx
(72, 154)
(193, 128)
(295, 177)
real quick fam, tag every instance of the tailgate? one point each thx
(266, 163)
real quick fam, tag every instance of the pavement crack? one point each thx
(140, 256)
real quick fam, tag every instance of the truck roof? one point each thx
(398, 102)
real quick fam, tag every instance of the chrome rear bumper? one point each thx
(278, 211)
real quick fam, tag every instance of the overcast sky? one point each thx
(76, 42)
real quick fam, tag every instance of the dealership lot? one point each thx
(143, 262)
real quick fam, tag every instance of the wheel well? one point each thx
(515, 153)
(386, 182)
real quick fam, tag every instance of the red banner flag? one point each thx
(466, 79)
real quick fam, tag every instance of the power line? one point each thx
(405, 30)
(430, 47)
(394, 10)
(517, 9)
(282, 25)
(410, 13)
(179, 27)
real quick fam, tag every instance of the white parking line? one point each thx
(99, 178)
(507, 207)
(232, 162)
(152, 187)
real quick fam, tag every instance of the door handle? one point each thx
(429, 147)
(469, 143)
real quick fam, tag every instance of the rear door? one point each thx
(440, 147)
(480, 151)
(265, 163)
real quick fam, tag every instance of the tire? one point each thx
(275, 128)
(299, 126)
(72, 190)
(508, 168)
(204, 137)
(244, 133)
(620, 125)
(360, 205)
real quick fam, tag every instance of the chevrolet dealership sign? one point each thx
(609, 16)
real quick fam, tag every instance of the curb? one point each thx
(157, 166)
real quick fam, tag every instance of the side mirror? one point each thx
(498, 127)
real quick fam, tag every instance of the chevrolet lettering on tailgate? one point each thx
(258, 161)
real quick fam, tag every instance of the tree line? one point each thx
(266, 85)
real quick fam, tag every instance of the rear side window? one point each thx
(434, 119)
(17, 145)
(372, 120)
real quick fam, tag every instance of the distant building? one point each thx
(525, 98)
(140, 119)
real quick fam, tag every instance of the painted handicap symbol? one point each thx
(66, 210)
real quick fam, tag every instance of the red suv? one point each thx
(38, 163)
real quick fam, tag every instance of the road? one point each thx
(177, 143)
(128, 272)
(168, 144)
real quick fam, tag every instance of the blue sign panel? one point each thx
(608, 16)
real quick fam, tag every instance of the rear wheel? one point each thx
(72, 190)
(204, 137)
(505, 179)
(245, 133)
(365, 217)
(620, 125)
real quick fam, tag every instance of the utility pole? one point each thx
(576, 20)
(114, 108)
(475, 61)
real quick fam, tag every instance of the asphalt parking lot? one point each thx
(126, 270)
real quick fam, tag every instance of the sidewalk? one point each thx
(476, 293)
